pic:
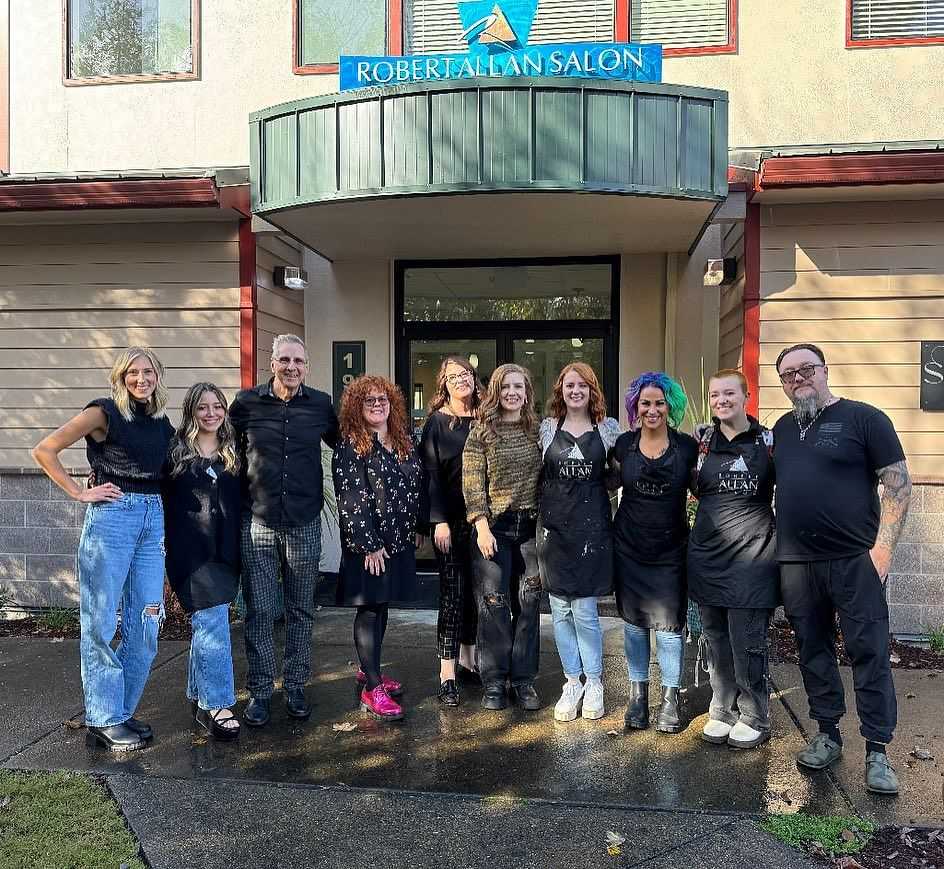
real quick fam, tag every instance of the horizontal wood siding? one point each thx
(278, 310)
(731, 326)
(865, 281)
(72, 297)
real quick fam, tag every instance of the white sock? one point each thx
(573, 680)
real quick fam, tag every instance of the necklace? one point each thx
(658, 455)
(805, 428)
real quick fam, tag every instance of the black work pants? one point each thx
(813, 592)
(508, 590)
(737, 664)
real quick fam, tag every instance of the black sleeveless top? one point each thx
(133, 453)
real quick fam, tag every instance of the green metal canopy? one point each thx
(519, 163)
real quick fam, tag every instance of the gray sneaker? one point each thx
(880, 778)
(820, 753)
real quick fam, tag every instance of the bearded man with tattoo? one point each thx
(835, 540)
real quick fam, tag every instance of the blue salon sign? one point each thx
(497, 33)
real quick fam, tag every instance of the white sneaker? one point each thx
(593, 700)
(569, 703)
(716, 732)
(744, 736)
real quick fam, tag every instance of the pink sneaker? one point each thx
(391, 686)
(378, 704)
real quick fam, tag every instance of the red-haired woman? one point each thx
(575, 538)
(378, 481)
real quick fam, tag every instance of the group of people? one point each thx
(516, 506)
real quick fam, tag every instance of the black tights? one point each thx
(370, 624)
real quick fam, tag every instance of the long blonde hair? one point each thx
(184, 449)
(490, 409)
(119, 392)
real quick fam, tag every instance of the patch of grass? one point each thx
(61, 819)
(59, 618)
(935, 638)
(831, 835)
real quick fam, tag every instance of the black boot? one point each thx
(637, 712)
(668, 719)
(116, 737)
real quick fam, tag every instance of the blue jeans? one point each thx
(210, 681)
(669, 650)
(121, 560)
(578, 635)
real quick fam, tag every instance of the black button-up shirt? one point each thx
(280, 448)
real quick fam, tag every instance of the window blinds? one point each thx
(897, 19)
(679, 23)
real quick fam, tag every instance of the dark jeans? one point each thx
(508, 590)
(813, 592)
(737, 664)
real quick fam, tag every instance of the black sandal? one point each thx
(212, 722)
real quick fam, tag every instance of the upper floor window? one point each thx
(685, 26)
(131, 40)
(326, 29)
(877, 23)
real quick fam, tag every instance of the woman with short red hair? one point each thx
(378, 482)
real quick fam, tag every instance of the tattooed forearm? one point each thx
(896, 495)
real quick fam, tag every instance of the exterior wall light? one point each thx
(290, 277)
(720, 271)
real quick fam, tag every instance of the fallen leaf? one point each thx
(614, 850)
(612, 733)
(614, 838)
(910, 696)
(848, 863)
(847, 836)
(73, 725)
(892, 856)
(344, 727)
(921, 753)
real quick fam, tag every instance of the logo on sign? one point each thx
(932, 375)
(497, 35)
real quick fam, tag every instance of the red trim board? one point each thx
(247, 304)
(906, 167)
(751, 349)
(68, 195)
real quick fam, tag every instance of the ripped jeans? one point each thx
(508, 591)
(737, 664)
(121, 560)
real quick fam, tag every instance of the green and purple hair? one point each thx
(675, 397)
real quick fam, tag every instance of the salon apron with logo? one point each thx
(575, 537)
(732, 549)
(650, 533)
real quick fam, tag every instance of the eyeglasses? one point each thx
(376, 401)
(288, 360)
(805, 372)
(454, 379)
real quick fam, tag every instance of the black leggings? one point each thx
(370, 624)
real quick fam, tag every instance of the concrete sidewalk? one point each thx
(446, 787)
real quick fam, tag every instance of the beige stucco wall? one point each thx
(792, 82)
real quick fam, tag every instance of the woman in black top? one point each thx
(121, 550)
(732, 566)
(201, 505)
(458, 394)
(654, 464)
(378, 482)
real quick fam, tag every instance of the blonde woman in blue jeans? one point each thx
(121, 550)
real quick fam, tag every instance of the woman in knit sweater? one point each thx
(500, 468)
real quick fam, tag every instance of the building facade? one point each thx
(154, 181)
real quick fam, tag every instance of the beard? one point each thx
(806, 408)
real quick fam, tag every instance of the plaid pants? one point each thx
(458, 608)
(267, 552)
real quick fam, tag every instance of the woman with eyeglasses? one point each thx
(653, 462)
(575, 534)
(379, 484)
(501, 464)
(446, 430)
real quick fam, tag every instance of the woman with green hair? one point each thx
(654, 463)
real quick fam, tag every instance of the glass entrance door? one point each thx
(426, 356)
(545, 357)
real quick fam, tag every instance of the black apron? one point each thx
(650, 533)
(732, 549)
(575, 537)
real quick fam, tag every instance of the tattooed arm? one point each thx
(896, 496)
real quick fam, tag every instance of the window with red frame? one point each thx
(326, 29)
(685, 26)
(896, 21)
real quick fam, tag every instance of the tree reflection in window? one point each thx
(329, 28)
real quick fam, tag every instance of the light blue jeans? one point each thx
(669, 649)
(578, 636)
(210, 681)
(121, 560)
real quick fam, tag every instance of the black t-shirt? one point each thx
(827, 489)
(441, 451)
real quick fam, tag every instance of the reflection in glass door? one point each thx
(545, 357)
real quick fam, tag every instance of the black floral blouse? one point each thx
(378, 498)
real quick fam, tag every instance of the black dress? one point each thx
(201, 534)
(575, 538)
(379, 503)
(651, 531)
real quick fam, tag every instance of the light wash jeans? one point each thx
(578, 636)
(210, 681)
(121, 560)
(669, 649)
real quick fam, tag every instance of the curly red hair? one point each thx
(353, 425)
(596, 406)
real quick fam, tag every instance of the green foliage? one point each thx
(935, 638)
(832, 835)
(58, 618)
(697, 412)
(61, 819)
(6, 597)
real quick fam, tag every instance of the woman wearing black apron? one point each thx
(575, 537)
(732, 567)
(654, 465)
